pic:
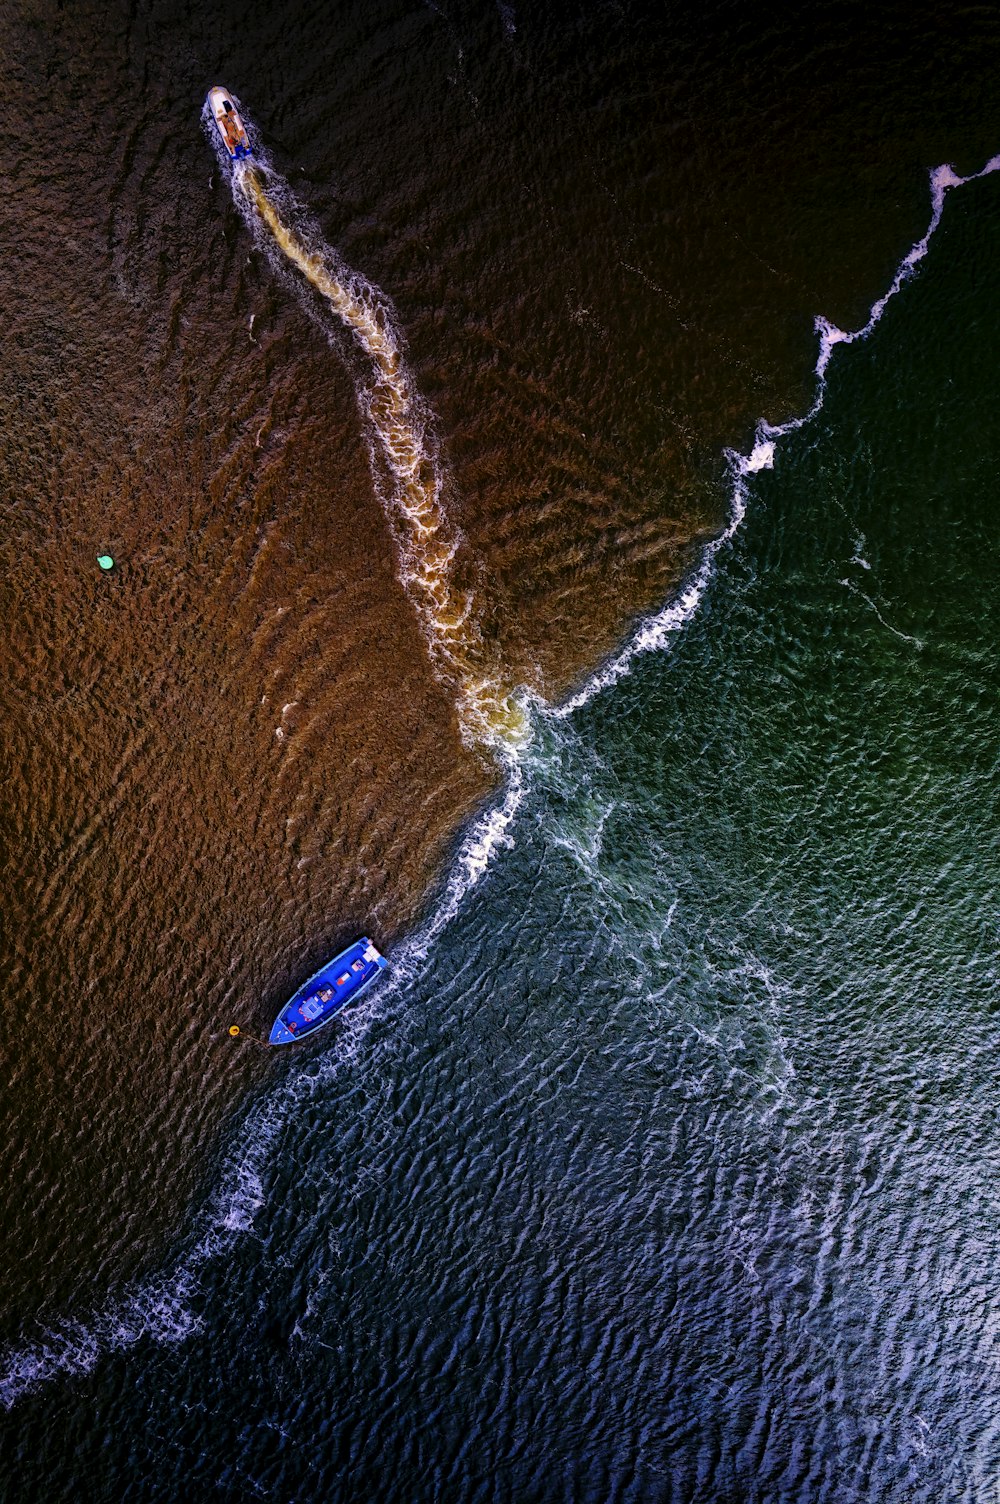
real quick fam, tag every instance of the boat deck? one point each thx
(327, 991)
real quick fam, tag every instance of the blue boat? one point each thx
(326, 992)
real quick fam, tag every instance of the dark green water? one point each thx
(669, 1171)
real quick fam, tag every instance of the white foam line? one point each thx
(488, 834)
(903, 636)
(162, 1310)
(655, 633)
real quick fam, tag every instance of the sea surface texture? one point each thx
(553, 492)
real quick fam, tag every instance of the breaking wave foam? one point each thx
(164, 1310)
(655, 633)
(162, 1313)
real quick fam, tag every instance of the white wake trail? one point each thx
(405, 463)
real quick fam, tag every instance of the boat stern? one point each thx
(371, 954)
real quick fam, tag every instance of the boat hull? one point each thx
(328, 991)
(228, 124)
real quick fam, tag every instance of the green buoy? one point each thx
(105, 561)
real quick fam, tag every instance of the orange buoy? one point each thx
(234, 1029)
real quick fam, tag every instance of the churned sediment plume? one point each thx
(405, 463)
